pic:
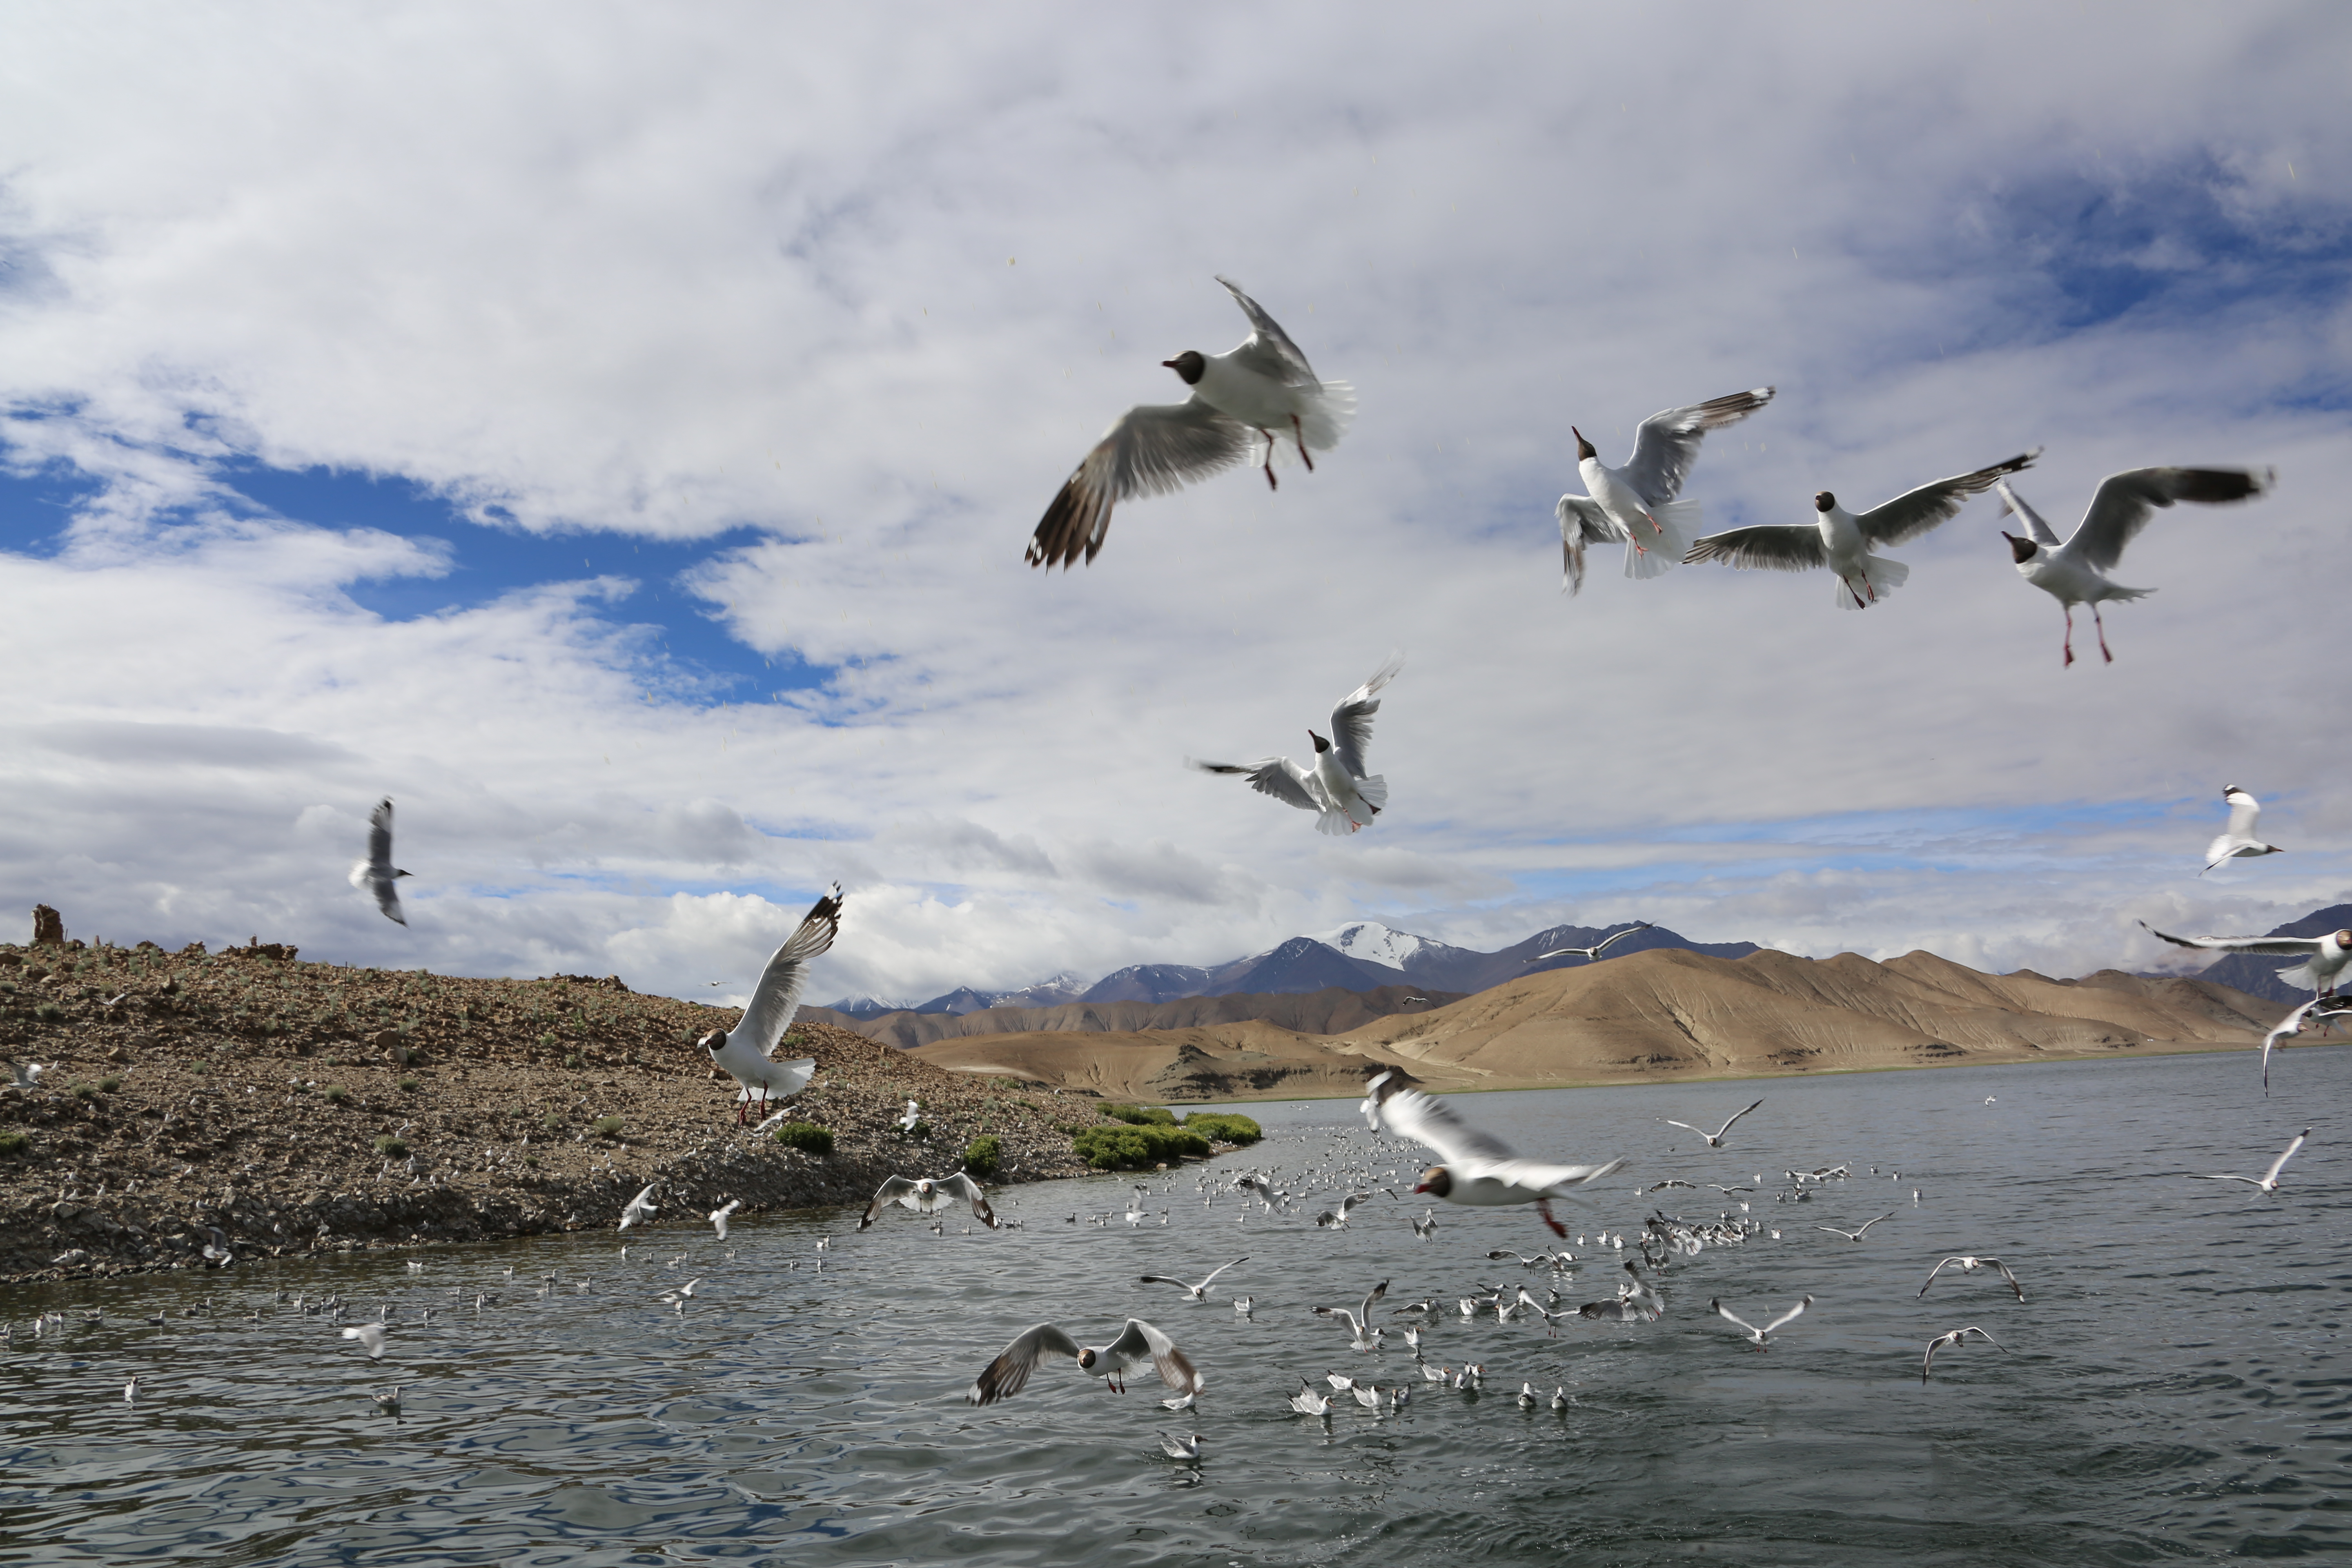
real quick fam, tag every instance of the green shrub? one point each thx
(1140, 1115)
(12, 1141)
(391, 1148)
(982, 1155)
(1134, 1147)
(605, 1126)
(109, 1083)
(49, 1012)
(82, 1090)
(337, 1093)
(806, 1136)
(571, 1058)
(552, 1123)
(1224, 1127)
(410, 1083)
(921, 1130)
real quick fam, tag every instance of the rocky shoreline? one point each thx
(300, 1108)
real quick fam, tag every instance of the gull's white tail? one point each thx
(1678, 523)
(1375, 791)
(1335, 823)
(1880, 576)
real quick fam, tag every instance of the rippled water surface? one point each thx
(2175, 1387)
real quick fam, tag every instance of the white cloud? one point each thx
(873, 289)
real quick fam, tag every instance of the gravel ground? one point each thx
(249, 1091)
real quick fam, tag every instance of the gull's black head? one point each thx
(1583, 448)
(400, 873)
(2024, 550)
(1321, 745)
(713, 1042)
(2344, 940)
(1437, 1180)
(1824, 501)
(2228, 790)
(1086, 1358)
(1188, 365)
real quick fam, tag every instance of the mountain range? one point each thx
(1361, 956)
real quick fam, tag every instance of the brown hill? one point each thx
(1668, 1012)
(1330, 1011)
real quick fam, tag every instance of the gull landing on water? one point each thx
(1193, 1293)
(748, 1051)
(1969, 1266)
(1714, 1139)
(2238, 841)
(929, 1195)
(376, 874)
(1636, 503)
(1260, 398)
(2267, 1181)
(1336, 789)
(2076, 572)
(1844, 540)
(1592, 954)
(1759, 1336)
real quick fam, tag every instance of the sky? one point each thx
(611, 433)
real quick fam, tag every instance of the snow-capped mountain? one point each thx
(1372, 942)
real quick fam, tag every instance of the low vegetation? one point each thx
(983, 1155)
(807, 1137)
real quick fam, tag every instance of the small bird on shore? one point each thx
(1139, 1344)
(1714, 1139)
(376, 874)
(748, 1051)
(929, 1195)
(1591, 955)
(2268, 1181)
(2236, 840)
(1636, 504)
(1344, 797)
(1844, 540)
(1943, 1341)
(1756, 1335)
(1256, 399)
(2076, 572)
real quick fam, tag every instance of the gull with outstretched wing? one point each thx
(1343, 797)
(748, 1051)
(1475, 1168)
(1636, 504)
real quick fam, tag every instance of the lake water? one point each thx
(2176, 1385)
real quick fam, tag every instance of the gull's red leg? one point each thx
(2070, 638)
(1299, 433)
(2103, 634)
(1558, 1229)
(1267, 436)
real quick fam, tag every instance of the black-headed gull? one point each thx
(1476, 1170)
(371, 1339)
(640, 1208)
(2076, 572)
(2319, 1009)
(1306, 1402)
(2238, 839)
(1336, 789)
(1714, 1139)
(929, 1195)
(1139, 1344)
(1363, 1335)
(1636, 503)
(1757, 1336)
(719, 1217)
(1179, 1447)
(28, 1075)
(1843, 540)
(1591, 955)
(747, 1052)
(1855, 1235)
(2267, 1181)
(1943, 1341)
(1259, 398)
(2324, 957)
(1969, 1266)
(1192, 1292)
(376, 874)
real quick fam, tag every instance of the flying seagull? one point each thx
(1360, 1321)
(1475, 1168)
(1756, 1335)
(2238, 839)
(748, 1051)
(1592, 954)
(1336, 789)
(28, 1074)
(371, 1338)
(2320, 1009)
(1191, 1293)
(2267, 1181)
(1245, 404)
(1854, 1235)
(1714, 1139)
(640, 1208)
(2325, 957)
(1969, 1266)
(2076, 572)
(1942, 1342)
(930, 1195)
(1139, 1344)
(377, 874)
(1843, 540)
(1337, 1219)
(718, 1216)
(1636, 503)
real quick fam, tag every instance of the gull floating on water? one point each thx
(1843, 540)
(1476, 1169)
(929, 1195)
(748, 1051)
(1139, 1344)
(1192, 1292)
(1969, 1266)
(387, 1401)
(1942, 1342)
(2325, 957)
(2268, 1181)
(2236, 840)
(1336, 789)
(1181, 1447)
(1714, 1139)
(1759, 1336)
(1306, 1402)
(1636, 503)
(1591, 955)
(2076, 572)
(376, 874)
(1258, 398)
